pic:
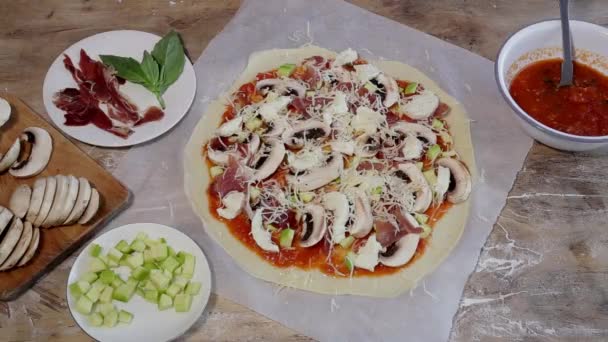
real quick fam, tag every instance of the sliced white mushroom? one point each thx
(5, 111)
(282, 86)
(268, 160)
(420, 106)
(276, 128)
(47, 202)
(70, 199)
(60, 195)
(218, 157)
(344, 147)
(36, 200)
(270, 111)
(233, 204)
(424, 195)
(401, 251)
(412, 147)
(20, 247)
(367, 145)
(418, 130)
(261, 236)
(366, 72)
(92, 208)
(345, 57)
(364, 219)
(366, 120)
(82, 201)
(367, 256)
(319, 177)
(5, 219)
(390, 89)
(295, 136)
(314, 225)
(42, 148)
(460, 180)
(231, 127)
(31, 249)
(305, 159)
(443, 182)
(337, 203)
(20, 200)
(11, 238)
(11, 156)
(337, 106)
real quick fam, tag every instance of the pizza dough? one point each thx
(446, 232)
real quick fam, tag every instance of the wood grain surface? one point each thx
(55, 243)
(543, 274)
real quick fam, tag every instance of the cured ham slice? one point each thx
(387, 233)
(97, 89)
(234, 178)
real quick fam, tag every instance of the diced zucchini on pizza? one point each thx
(157, 273)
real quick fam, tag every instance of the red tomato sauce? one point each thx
(579, 109)
(315, 257)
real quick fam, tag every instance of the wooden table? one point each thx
(543, 274)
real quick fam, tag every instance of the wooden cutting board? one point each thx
(55, 243)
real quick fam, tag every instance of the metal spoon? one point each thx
(567, 66)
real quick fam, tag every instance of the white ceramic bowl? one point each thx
(542, 41)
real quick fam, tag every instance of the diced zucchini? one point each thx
(159, 279)
(254, 193)
(106, 295)
(125, 317)
(123, 246)
(148, 285)
(114, 254)
(181, 257)
(170, 264)
(96, 319)
(117, 282)
(79, 288)
(84, 305)
(141, 236)
(148, 257)
(180, 281)
(107, 276)
(140, 273)
(95, 250)
(183, 302)
(140, 292)
(306, 196)
(111, 263)
(370, 87)
(173, 290)
(89, 277)
(420, 165)
(124, 292)
(215, 171)
(96, 265)
(94, 293)
(377, 190)
(437, 124)
(188, 266)
(151, 242)
(132, 282)
(430, 177)
(178, 270)
(347, 241)
(110, 319)
(253, 123)
(433, 152)
(104, 308)
(135, 260)
(193, 288)
(286, 237)
(286, 69)
(410, 88)
(426, 231)
(149, 266)
(164, 302)
(159, 251)
(421, 218)
(349, 261)
(151, 296)
(170, 251)
(138, 245)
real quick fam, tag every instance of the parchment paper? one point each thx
(154, 171)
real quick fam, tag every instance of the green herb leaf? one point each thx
(173, 62)
(150, 68)
(126, 67)
(162, 46)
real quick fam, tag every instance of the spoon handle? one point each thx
(567, 67)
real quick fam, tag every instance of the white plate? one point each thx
(149, 324)
(178, 97)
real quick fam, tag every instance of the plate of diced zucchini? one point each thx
(139, 282)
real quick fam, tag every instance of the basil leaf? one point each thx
(174, 62)
(160, 49)
(126, 67)
(150, 68)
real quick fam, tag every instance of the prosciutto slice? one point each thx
(234, 178)
(97, 89)
(387, 233)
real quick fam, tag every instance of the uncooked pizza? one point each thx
(330, 173)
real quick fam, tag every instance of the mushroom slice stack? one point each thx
(318, 177)
(56, 201)
(5, 112)
(20, 247)
(39, 156)
(460, 180)
(10, 240)
(19, 241)
(313, 224)
(11, 156)
(5, 219)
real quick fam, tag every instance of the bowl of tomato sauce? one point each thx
(528, 69)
